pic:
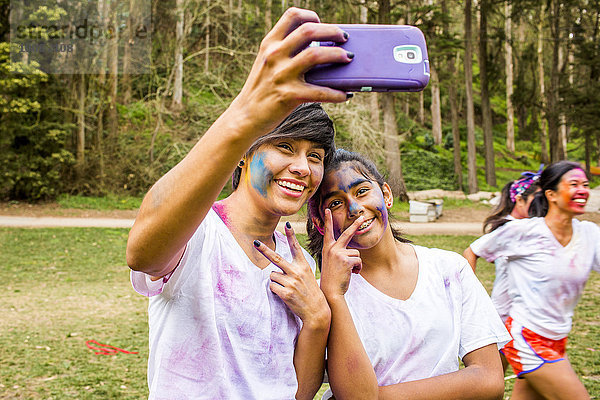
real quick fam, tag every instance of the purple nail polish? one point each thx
(256, 243)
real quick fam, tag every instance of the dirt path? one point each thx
(457, 221)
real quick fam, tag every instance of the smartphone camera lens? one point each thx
(410, 55)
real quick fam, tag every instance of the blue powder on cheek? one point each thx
(260, 176)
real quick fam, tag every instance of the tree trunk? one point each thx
(552, 114)
(113, 71)
(392, 147)
(373, 97)
(101, 84)
(454, 119)
(390, 129)
(422, 106)
(453, 99)
(268, 16)
(364, 12)
(230, 24)
(510, 112)
(486, 109)
(132, 23)
(177, 99)
(436, 112)
(540, 52)
(588, 151)
(468, 65)
(562, 118)
(207, 39)
(374, 107)
(80, 160)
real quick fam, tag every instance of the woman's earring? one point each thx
(241, 163)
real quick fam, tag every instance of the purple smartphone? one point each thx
(387, 58)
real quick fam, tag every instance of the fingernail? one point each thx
(256, 243)
(288, 225)
(346, 35)
(350, 54)
(349, 96)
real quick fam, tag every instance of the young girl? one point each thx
(549, 258)
(225, 323)
(514, 201)
(514, 204)
(399, 326)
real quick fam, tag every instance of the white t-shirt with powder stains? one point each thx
(216, 329)
(545, 278)
(448, 315)
(500, 297)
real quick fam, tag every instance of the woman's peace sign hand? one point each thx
(296, 285)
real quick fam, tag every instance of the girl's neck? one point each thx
(245, 220)
(387, 255)
(560, 224)
(391, 267)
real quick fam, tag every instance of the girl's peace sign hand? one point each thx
(338, 262)
(296, 286)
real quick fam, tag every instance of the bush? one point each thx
(425, 170)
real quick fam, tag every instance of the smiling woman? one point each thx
(231, 258)
(235, 309)
(548, 261)
(410, 312)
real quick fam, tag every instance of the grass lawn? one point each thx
(65, 286)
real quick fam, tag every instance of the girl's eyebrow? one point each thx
(346, 189)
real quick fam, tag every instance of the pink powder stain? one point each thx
(189, 359)
(221, 211)
(228, 281)
(573, 263)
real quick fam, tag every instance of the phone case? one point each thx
(387, 58)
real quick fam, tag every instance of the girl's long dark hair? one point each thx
(549, 180)
(366, 168)
(498, 216)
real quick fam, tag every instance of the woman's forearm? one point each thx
(481, 379)
(350, 372)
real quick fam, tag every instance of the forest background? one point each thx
(513, 84)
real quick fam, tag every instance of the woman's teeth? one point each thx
(580, 201)
(290, 185)
(365, 224)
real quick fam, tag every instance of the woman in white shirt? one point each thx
(548, 259)
(400, 325)
(514, 204)
(226, 322)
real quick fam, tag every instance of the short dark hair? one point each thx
(309, 122)
(549, 180)
(362, 165)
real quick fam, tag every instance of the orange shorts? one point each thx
(528, 351)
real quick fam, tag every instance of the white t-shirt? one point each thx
(216, 329)
(500, 296)
(545, 279)
(448, 315)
